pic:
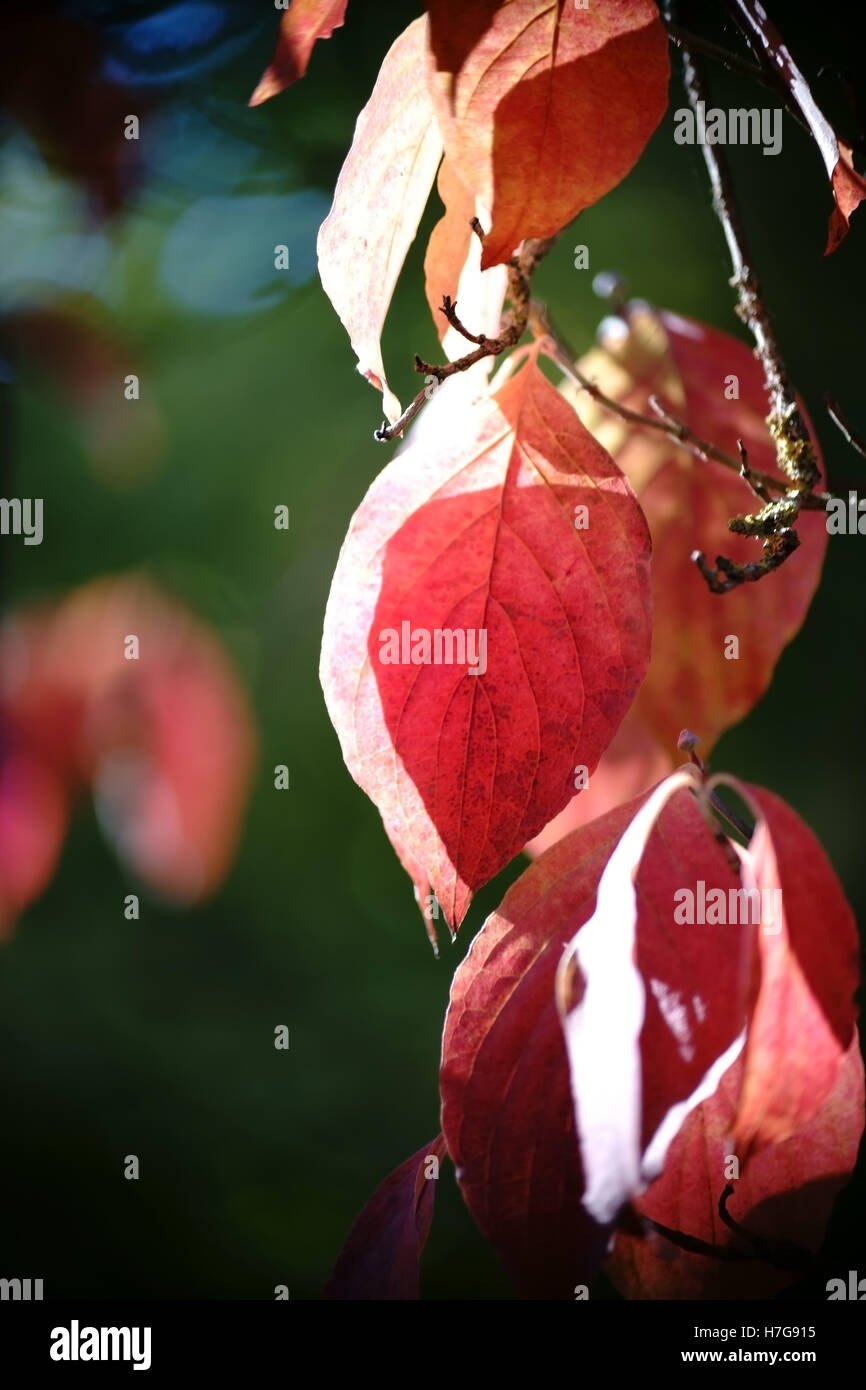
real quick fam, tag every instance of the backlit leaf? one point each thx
(545, 106)
(473, 534)
(302, 25)
(657, 1001)
(380, 196)
(715, 384)
(783, 1197)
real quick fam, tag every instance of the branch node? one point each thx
(520, 269)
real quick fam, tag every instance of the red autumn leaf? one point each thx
(506, 1108)
(801, 1012)
(663, 1006)
(507, 1112)
(452, 266)
(783, 1197)
(632, 764)
(849, 190)
(380, 196)
(166, 740)
(472, 536)
(301, 27)
(32, 826)
(380, 1259)
(803, 1018)
(545, 106)
(688, 502)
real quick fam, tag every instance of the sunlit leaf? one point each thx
(302, 25)
(472, 534)
(380, 195)
(545, 106)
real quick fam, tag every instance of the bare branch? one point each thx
(774, 56)
(663, 422)
(449, 309)
(758, 72)
(520, 270)
(751, 476)
(795, 453)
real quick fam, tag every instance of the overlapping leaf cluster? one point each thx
(606, 1069)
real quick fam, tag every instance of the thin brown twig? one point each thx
(663, 422)
(857, 441)
(520, 270)
(795, 453)
(750, 475)
(449, 309)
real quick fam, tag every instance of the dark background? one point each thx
(156, 1037)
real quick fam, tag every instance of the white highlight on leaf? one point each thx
(602, 1033)
(656, 1149)
(676, 1016)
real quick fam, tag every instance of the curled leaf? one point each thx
(507, 1112)
(662, 964)
(615, 966)
(781, 1200)
(803, 1012)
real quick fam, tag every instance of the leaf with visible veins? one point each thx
(474, 532)
(380, 195)
(544, 107)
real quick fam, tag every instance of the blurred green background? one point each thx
(156, 1037)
